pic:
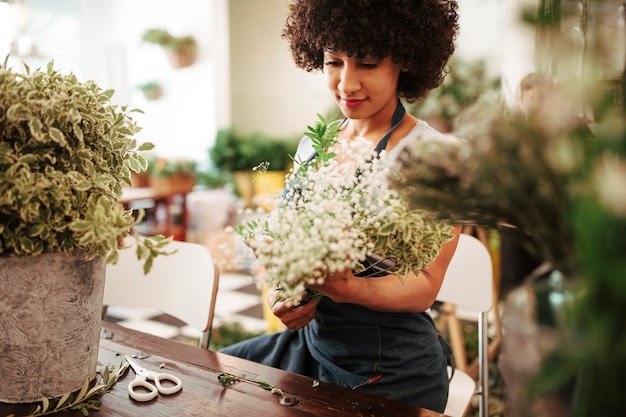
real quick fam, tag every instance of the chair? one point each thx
(462, 389)
(461, 314)
(468, 284)
(183, 284)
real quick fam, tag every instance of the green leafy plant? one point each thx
(462, 87)
(229, 379)
(151, 90)
(83, 399)
(163, 38)
(65, 152)
(229, 333)
(556, 184)
(233, 151)
(212, 178)
(168, 167)
(340, 215)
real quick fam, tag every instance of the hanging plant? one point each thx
(180, 50)
(151, 90)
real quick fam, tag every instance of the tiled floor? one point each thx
(238, 300)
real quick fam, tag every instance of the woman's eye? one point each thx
(332, 63)
(369, 64)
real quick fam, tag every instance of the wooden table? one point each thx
(203, 395)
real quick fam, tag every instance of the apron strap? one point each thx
(398, 115)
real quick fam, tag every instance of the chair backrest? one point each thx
(468, 283)
(183, 284)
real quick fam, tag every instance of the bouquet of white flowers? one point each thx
(338, 213)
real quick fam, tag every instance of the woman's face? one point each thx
(362, 86)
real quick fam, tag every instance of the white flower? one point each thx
(335, 214)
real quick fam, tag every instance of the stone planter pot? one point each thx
(50, 315)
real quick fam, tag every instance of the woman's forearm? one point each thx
(392, 293)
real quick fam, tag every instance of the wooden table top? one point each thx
(203, 395)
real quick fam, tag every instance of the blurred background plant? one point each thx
(234, 151)
(180, 50)
(466, 82)
(235, 155)
(555, 183)
(212, 178)
(151, 90)
(229, 333)
(162, 37)
(168, 167)
(169, 175)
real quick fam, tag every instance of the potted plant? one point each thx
(180, 50)
(240, 155)
(151, 90)
(65, 153)
(211, 179)
(171, 175)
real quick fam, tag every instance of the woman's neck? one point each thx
(372, 128)
(374, 131)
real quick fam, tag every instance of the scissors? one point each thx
(141, 380)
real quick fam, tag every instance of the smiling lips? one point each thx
(352, 103)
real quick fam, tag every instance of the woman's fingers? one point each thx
(298, 317)
(273, 296)
(292, 317)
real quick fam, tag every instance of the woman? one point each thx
(371, 334)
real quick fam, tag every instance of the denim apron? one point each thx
(399, 356)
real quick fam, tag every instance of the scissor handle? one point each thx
(158, 377)
(139, 395)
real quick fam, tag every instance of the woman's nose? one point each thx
(349, 81)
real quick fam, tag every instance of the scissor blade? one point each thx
(139, 370)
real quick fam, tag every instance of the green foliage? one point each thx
(167, 167)
(366, 222)
(462, 87)
(65, 153)
(230, 333)
(149, 86)
(236, 152)
(163, 38)
(83, 399)
(324, 136)
(226, 379)
(558, 184)
(151, 90)
(503, 178)
(212, 178)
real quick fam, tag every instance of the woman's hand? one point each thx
(293, 317)
(391, 293)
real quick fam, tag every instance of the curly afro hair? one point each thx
(417, 34)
